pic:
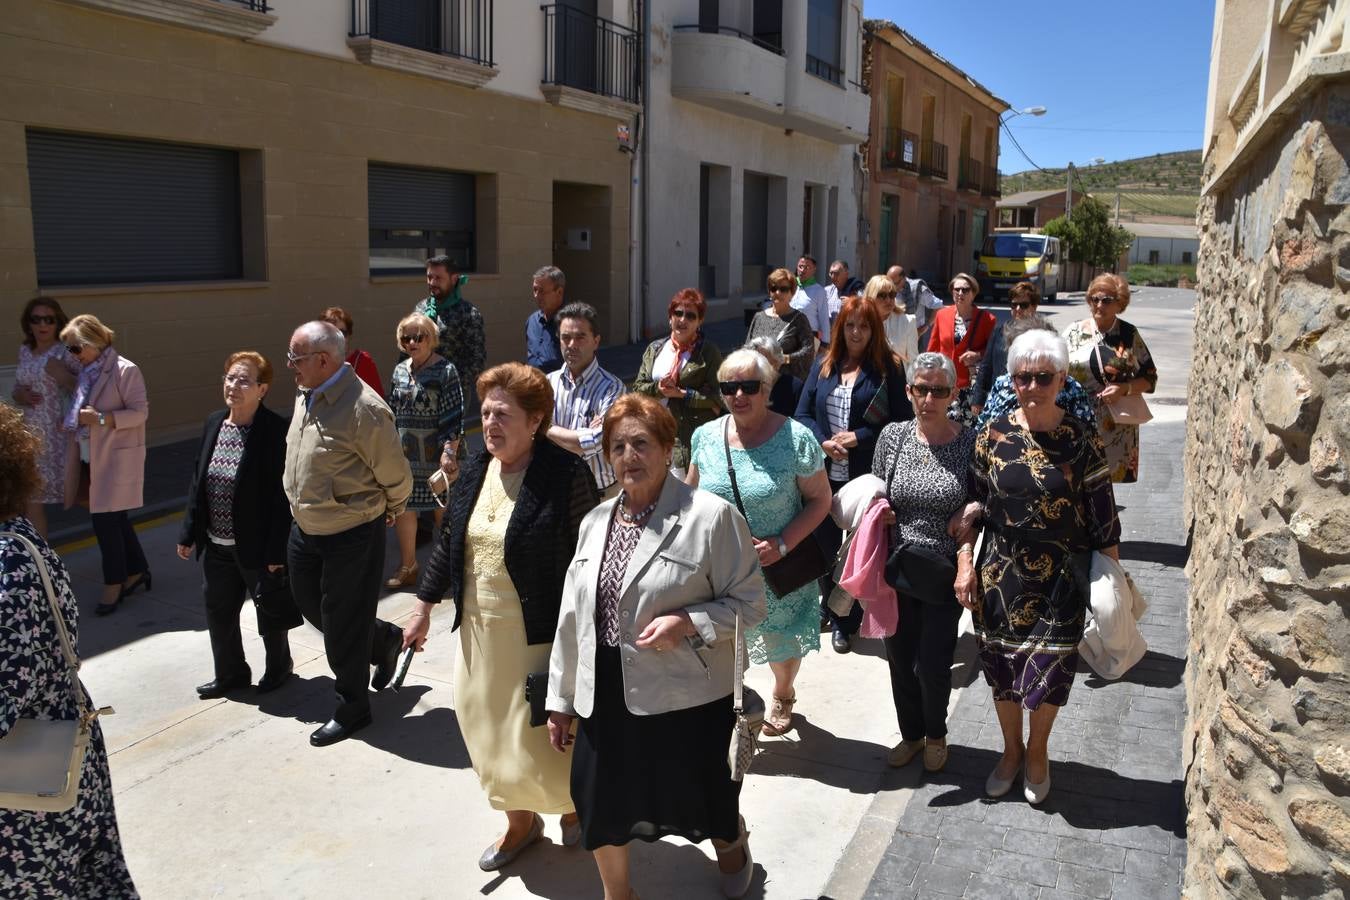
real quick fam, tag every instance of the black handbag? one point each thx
(803, 564)
(272, 594)
(536, 692)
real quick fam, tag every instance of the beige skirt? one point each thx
(515, 763)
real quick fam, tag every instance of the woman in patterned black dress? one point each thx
(1042, 486)
(77, 853)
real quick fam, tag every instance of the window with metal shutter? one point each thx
(417, 213)
(114, 211)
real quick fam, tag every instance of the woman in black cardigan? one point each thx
(237, 521)
(509, 535)
(853, 391)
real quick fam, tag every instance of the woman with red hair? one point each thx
(854, 390)
(681, 372)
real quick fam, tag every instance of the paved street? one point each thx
(227, 799)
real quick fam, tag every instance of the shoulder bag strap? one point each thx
(738, 676)
(731, 470)
(67, 649)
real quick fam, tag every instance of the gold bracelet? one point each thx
(966, 548)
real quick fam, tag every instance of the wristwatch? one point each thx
(782, 547)
(102, 421)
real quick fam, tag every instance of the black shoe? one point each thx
(334, 731)
(104, 609)
(841, 642)
(275, 678)
(384, 669)
(146, 579)
(216, 687)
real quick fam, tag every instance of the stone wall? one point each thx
(1268, 470)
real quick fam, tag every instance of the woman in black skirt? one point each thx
(644, 657)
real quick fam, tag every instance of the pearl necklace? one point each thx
(633, 518)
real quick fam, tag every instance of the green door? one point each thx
(886, 238)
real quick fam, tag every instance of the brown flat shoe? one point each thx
(406, 576)
(934, 756)
(903, 753)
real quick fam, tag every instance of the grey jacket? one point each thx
(695, 554)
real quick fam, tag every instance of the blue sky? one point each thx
(1117, 80)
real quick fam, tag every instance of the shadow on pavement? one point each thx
(1154, 670)
(810, 751)
(1174, 555)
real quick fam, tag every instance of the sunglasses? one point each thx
(1042, 379)
(411, 338)
(925, 390)
(886, 295)
(1103, 300)
(75, 349)
(787, 289)
(1023, 305)
(687, 314)
(42, 320)
(749, 388)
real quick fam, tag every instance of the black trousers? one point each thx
(226, 584)
(920, 658)
(119, 546)
(831, 538)
(335, 579)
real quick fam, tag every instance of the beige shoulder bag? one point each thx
(41, 759)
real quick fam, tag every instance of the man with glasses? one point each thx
(914, 296)
(458, 323)
(840, 285)
(810, 299)
(346, 479)
(582, 393)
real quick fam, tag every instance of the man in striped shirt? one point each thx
(582, 393)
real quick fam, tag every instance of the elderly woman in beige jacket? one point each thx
(108, 414)
(644, 655)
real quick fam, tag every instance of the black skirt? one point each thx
(647, 777)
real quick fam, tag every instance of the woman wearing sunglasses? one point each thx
(681, 372)
(784, 495)
(961, 333)
(428, 405)
(45, 374)
(925, 463)
(787, 326)
(1040, 485)
(1108, 355)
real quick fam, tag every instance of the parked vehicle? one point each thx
(1009, 257)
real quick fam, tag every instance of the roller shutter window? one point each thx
(114, 211)
(418, 213)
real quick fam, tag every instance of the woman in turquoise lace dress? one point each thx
(780, 472)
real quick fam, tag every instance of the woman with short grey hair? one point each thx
(925, 464)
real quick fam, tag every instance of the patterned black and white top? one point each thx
(619, 545)
(77, 853)
(928, 484)
(838, 407)
(221, 473)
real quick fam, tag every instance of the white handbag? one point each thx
(41, 759)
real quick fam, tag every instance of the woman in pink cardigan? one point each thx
(108, 414)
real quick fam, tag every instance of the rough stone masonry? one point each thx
(1267, 744)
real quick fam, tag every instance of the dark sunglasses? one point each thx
(938, 391)
(75, 349)
(729, 388)
(1102, 300)
(411, 338)
(885, 295)
(42, 320)
(1024, 379)
(1023, 305)
(785, 289)
(688, 314)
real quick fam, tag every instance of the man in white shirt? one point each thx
(810, 299)
(914, 297)
(582, 393)
(901, 331)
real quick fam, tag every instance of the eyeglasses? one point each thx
(75, 349)
(962, 290)
(1042, 379)
(1026, 304)
(411, 338)
(242, 383)
(1101, 300)
(293, 358)
(886, 295)
(749, 388)
(924, 390)
(687, 314)
(782, 289)
(42, 320)
(834, 272)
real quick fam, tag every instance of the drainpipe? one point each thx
(637, 199)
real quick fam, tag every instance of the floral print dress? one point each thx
(428, 408)
(77, 853)
(44, 419)
(1123, 357)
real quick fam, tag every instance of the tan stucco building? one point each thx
(304, 153)
(932, 158)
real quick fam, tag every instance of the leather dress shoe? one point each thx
(841, 642)
(493, 859)
(385, 668)
(334, 731)
(217, 687)
(273, 679)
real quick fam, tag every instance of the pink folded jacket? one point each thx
(865, 573)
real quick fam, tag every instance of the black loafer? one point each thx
(273, 680)
(334, 731)
(217, 688)
(841, 642)
(384, 669)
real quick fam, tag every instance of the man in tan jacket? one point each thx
(346, 479)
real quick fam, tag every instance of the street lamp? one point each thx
(1029, 111)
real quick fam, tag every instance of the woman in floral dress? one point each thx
(46, 375)
(1109, 358)
(76, 853)
(780, 473)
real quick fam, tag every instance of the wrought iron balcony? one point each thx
(968, 175)
(254, 5)
(993, 183)
(900, 150)
(824, 70)
(933, 159)
(773, 42)
(457, 28)
(591, 54)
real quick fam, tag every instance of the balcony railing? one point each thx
(826, 70)
(992, 186)
(900, 150)
(588, 53)
(458, 28)
(773, 45)
(933, 159)
(254, 5)
(969, 175)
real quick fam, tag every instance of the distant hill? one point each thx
(1165, 184)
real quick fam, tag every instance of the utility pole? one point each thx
(1117, 209)
(1068, 193)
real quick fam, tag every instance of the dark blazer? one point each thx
(262, 514)
(812, 413)
(541, 537)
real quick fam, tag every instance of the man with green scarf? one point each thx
(459, 323)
